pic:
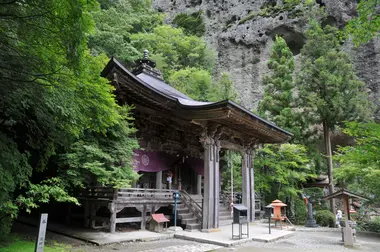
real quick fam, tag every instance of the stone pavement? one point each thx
(258, 231)
(304, 241)
(98, 237)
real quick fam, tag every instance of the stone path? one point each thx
(303, 241)
(173, 245)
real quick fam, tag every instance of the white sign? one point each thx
(41, 233)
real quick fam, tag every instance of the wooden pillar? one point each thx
(86, 214)
(93, 209)
(252, 184)
(208, 208)
(199, 184)
(246, 198)
(216, 149)
(159, 180)
(112, 209)
(143, 217)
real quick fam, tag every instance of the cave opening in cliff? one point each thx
(294, 39)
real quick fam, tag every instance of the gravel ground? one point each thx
(301, 241)
(310, 242)
(172, 245)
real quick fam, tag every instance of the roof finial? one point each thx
(146, 54)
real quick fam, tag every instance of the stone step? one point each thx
(182, 211)
(193, 226)
(186, 216)
(189, 221)
(225, 217)
(224, 212)
(225, 222)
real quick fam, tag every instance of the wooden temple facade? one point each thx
(173, 128)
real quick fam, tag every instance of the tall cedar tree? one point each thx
(330, 92)
(278, 101)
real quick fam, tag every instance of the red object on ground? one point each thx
(159, 218)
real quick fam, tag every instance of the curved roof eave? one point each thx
(200, 105)
(233, 104)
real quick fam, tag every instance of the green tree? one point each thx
(51, 94)
(232, 164)
(194, 82)
(281, 169)
(278, 103)
(359, 165)
(329, 91)
(174, 49)
(367, 24)
(224, 89)
(116, 21)
(193, 24)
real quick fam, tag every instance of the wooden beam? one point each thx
(128, 220)
(224, 144)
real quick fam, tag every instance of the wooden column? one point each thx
(246, 198)
(112, 209)
(199, 184)
(159, 180)
(211, 144)
(216, 149)
(86, 214)
(252, 184)
(143, 217)
(208, 208)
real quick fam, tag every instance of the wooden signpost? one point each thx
(41, 233)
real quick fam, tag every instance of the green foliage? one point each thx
(370, 225)
(192, 24)
(233, 162)
(330, 92)
(359, 165)
(367, 24)
(103, 159)
(224, 89)
(116, 22)
(173, 50)
(278, 103)
(295, 9)
(325, 218)
(300, 211)
(194, 82)
(51, 95)
(279, 170)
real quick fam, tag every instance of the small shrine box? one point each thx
(157, 222)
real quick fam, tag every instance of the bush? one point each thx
(325, 218)
(371, 225)
(5, 228)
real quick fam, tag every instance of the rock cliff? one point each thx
(241, 39)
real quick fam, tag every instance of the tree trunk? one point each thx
(326, 133)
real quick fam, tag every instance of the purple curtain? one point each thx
(196, 164)
(153, 161)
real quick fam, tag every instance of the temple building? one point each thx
(181, 140)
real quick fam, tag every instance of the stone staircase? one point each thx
(224, 215)
(187, 218)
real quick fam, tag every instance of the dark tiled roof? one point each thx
(161, 88)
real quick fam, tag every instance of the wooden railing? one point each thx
(193, 206)
(124, 194)
(140, 193)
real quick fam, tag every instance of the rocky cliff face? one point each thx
(242, 42)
